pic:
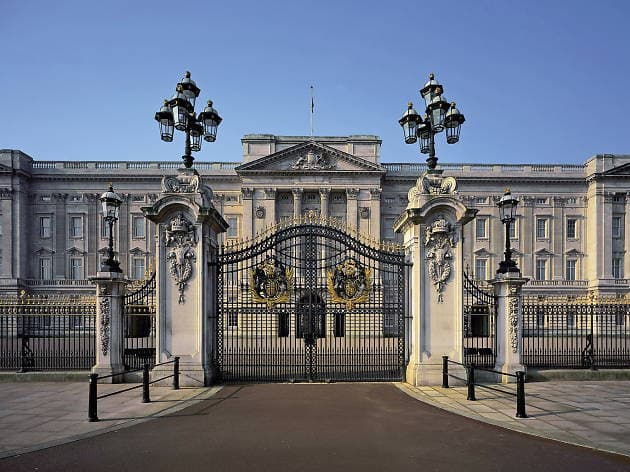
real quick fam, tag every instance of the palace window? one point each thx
(44, 226)
(45, 268)
(76, 226)
(571, 200)
(541, 269)
(541, 201)
(481, 269)
(76, 268)
(616, 227)
(232, 231)
(617, 267)
(481, 228)
(137, 268)
(541, 228)
(571, 228)
(570, 269)
(138, 224)
(513, 229)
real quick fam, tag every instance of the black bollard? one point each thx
(444, 371)
(145, 384)
(471, 382)
(92, 415)
(176, 374)
(520, 394)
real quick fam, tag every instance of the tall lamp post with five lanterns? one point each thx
(439, 115)
(179, 113)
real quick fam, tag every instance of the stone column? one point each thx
(375, 213)
(270, 206)
(352, 207)
(509, 327)
(60, 235)
(324, 195)
(110, 290)
(187, 225)
(248, 212)
(297, 202)
(432, 226)
(92, 232)
(10, 235)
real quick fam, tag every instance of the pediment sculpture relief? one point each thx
(312, 160)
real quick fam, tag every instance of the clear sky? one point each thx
(538, 81)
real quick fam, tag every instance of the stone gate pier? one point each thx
(187, 225)
(432, 227)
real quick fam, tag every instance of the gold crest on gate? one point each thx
(270, 282)
(349, 283)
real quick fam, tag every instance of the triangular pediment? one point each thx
(75, 251)
(619, 171)
(573, 252)
(543, 252)
(136, 251)
(482, 252)
(308, 158)
(44, 251)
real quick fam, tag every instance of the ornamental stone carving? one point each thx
(352, 193)
(438, 241)
(513, 305)
(312, 160)
(375, 193)
(105, 311)
(181, 237)
(183, 183)
(260, 212)
(270, 193)
(247, 192)
(364, 213)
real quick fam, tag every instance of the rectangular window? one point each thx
(480, 269)
(76, 268)
(45, 268)
(480, 228)
(513, 230)
(232, 231)
(541, 269)
(541, 201)
(137, 268)
(571, 228)
(616, 227)
(541, 228)
(617, 268)
(76, 226)
(138, 227)
(104, 228)
(570, 269)
(44, 226)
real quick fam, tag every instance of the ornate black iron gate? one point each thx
(480, 315)
(308, 301)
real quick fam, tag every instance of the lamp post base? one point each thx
(111, 266)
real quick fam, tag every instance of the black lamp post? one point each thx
(111, 202)
(439, 115)
(507, 209)
(179, 113)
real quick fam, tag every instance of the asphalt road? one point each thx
(314, 427)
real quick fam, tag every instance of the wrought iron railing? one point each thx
(139, 326)
(47, 332)
(578, 332)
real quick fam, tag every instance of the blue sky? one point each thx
(538, 81)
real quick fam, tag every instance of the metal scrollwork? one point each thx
(349, 283)
(270, 282)
(439, 240)
(181, 237)
(105, 309)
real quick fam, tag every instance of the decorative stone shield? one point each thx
(270, 282)
(349, 283)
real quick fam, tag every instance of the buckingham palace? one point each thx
(569, 235)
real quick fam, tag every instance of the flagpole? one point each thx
(312, 110)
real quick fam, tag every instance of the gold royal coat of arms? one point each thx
(270, 282)
(349, 283)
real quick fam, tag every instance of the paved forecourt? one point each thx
(313, 427)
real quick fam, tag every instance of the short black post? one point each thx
(145, 384)
(92, 415)
(444, 371)
(471, 382)
(520, 394)
(176, 374)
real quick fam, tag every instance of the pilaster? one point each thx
(60, 235)
(324, 195)
(352, 206)
(297, 202)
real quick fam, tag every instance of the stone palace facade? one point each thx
(570, 235)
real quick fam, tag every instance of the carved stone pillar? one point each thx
(92, 232)
(110, 289)
(507, 288)
(297, 202)
(248, 212)
(270, 207)
(432, 226)
(375, 213)
(352, 206)
(187, 228)
(324, 195)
